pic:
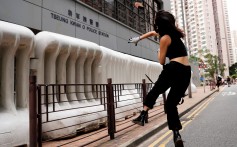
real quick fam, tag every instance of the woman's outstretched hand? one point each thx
(134, 40)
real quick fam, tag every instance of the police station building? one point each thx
(109, 23)
(70, 42)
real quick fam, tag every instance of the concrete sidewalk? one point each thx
(136, 135)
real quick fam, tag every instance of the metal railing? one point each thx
(212, 85)
(116, 104)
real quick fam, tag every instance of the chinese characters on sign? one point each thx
(76, 23)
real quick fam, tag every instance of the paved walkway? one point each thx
(134, 137)
(135, 134)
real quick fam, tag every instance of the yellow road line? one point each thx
(161, 138)
(198, 108)
(168, 139)
(195, 113)
(162, 145)
(203, 107)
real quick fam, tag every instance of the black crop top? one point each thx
(176, 48)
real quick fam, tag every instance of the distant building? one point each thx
(207, 27)
(234, 45)
(198, 19)
(222, 32)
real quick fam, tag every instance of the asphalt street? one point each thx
(211, 124)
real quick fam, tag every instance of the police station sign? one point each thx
(81, 22)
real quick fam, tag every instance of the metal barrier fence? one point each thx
(115, 104)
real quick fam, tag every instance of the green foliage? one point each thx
(222, 68)
(212, 63)
(234, 76)
(194, 58)
(233, 69)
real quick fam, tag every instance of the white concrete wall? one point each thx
(61, 60)
(16, 44)
(89, 63)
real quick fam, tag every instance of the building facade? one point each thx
(68, 42)
(228, 35)
(223, 33)
(201, 36)
(234, 44)
(207, 28)
(109, 23)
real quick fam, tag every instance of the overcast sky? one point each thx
(232, 11)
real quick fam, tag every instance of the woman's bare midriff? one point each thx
(182, 60)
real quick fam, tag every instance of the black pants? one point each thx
(175, 76)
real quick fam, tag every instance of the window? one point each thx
(140, 19)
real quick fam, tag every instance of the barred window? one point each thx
(137, 14)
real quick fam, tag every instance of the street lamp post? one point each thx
(185, 42)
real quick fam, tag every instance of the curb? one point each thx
(141, 138)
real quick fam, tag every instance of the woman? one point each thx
(175, 75)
